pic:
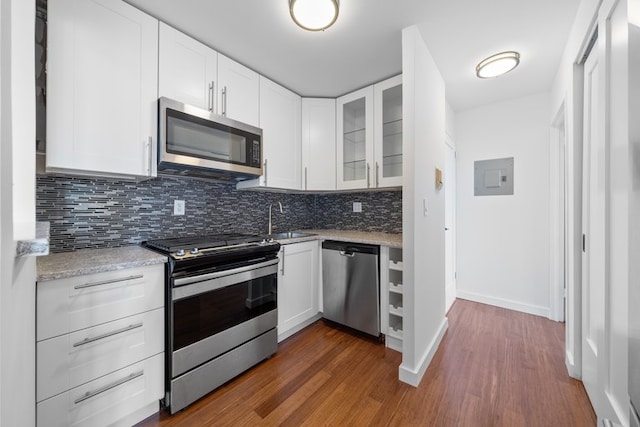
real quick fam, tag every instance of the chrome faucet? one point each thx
(270, 215)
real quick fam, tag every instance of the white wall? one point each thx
(423, 101)
(17, 199)
(503, 241)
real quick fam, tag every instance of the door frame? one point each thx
(558, 217)
(450, 185)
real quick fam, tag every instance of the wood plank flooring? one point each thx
(495, 367)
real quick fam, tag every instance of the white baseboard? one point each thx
(505, 303)
(414, 376)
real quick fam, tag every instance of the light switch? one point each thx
(425, 206)
(357, 206)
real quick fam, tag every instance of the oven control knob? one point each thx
(194, 251)
(180, 252)
(270, 240)
(263, 242)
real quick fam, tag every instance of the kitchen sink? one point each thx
(289, 235)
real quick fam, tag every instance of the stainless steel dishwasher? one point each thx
(350, 285)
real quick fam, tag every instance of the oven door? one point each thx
(214, 313)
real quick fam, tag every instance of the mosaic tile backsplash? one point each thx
(99, 213)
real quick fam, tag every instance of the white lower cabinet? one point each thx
(100, 348)
(297, 287)
(117, 399)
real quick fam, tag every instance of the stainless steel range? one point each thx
(221, 310)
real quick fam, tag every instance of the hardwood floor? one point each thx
(495, 367)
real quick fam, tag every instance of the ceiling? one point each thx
(365, 44)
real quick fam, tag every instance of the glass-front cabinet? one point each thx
(369, 136)
(355, 139)
(388, 132)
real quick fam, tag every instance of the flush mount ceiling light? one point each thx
(314, 15)
(498, 64)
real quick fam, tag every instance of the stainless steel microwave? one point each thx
(193, 141)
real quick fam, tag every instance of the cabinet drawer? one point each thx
(106, 400)
(67, 305)
(73, 359)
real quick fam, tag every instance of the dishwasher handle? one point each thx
(350, 248)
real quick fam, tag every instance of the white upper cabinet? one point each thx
(280, 123)
(354, 133)
(318, 144)
(387, 110)
(188, 69)
(369, 136)
(102, 87)
(238, 91)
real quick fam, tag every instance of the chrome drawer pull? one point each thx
(106, 282)
(90, 394)
(108, 334)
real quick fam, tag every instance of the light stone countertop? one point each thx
(367, 237)
(88, 261)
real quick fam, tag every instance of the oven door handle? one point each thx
(212, 281)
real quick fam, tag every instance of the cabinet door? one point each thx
(354, 151)
(297, 285)
(187, 69)
(238, 91)
(102, 87)
(388, 132)
(280, 123)
(318, 144)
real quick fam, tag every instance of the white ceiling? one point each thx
(364, 46)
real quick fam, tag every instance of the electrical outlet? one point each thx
(357, 207)
(178, 207)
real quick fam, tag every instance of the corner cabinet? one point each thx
(102, 89)
(369, 137)
(318, 144)
(297, 287)
(280, 121)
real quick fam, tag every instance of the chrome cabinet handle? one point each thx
(90, 394)
(282, 269)
(377, 175)
(107, 335)
(224, 101)
(211, 94)
(106, 282)
(368, 175)
(305, 177)
(150, 148)
(265, 172)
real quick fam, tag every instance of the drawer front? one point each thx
(107, 400)
(75, 303)
(69, 360)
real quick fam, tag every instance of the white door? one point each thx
(449, 225)
(593, 225)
